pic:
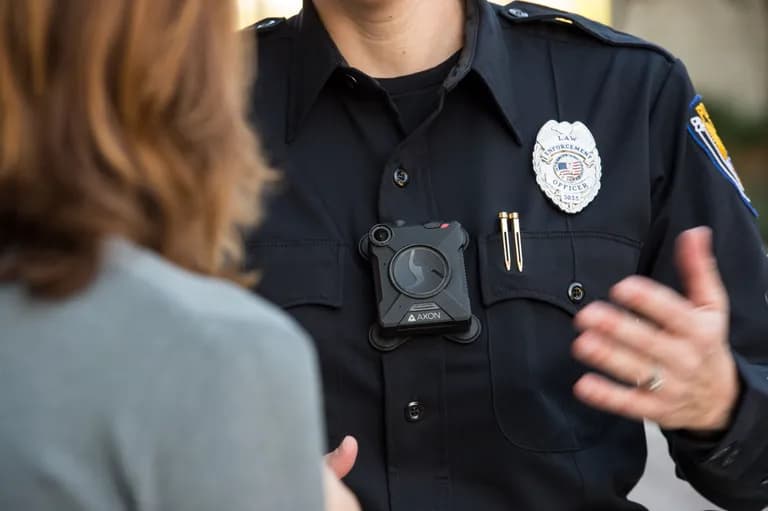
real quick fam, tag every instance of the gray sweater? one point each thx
(155, 390)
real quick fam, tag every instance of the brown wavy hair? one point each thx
(122, 118)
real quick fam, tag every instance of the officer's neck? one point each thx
(390, 38)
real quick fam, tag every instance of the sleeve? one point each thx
(694, 184)
(238, 424)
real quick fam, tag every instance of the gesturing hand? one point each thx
(337, 465)
(673, 350)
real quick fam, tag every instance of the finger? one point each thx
(697, 267)
(612, 358)
(632, 332)
(341, 460)
(655, 302)
(337, 496)
(632, 403)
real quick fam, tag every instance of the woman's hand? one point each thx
(337, 465)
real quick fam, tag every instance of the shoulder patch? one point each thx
(524, 12)
(703, 131)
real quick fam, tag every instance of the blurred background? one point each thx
(724, 43)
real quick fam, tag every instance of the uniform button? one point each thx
(401, 177)
(350, 80)
(414, 411)
(518, 13)
(576, 292)
(266, 24)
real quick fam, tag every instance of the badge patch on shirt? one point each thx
(567, 165)
(704, 133)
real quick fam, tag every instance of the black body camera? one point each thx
(421, 283)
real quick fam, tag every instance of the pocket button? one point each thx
(401, 177)
(414, 411)
(576, 292)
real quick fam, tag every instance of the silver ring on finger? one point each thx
(655, 381)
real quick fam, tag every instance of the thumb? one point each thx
(337, 496)
(698, 269)
(341, 460)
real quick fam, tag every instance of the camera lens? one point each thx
(419, 272)
(381, 234)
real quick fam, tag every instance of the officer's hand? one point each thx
(341, 460)
(673, 350)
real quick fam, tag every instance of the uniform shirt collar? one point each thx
(316, 58)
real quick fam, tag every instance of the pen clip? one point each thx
(518, 237)
(504, 223)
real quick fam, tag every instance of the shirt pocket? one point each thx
(303, 277)
(528, 320)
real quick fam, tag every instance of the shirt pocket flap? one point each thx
(294, 273)
(567, 270)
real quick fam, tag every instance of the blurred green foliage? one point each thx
(747, 140)
(740, 130)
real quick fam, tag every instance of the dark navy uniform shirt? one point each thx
(494, 425)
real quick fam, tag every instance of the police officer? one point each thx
(451, 110)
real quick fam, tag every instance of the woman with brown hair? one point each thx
(129, 378)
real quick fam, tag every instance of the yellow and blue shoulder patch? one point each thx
(704, 133)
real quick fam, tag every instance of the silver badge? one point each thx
(567, 165)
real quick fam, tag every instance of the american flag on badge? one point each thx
(571, 169)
